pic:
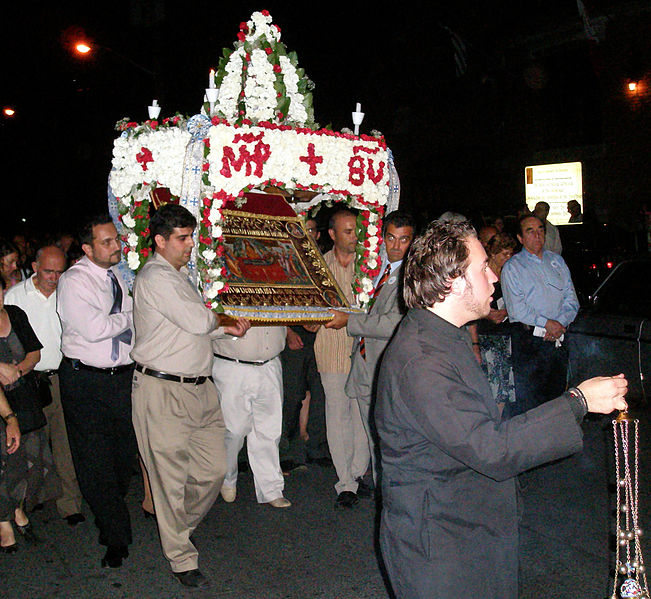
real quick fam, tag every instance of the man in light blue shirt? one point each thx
(541, 302)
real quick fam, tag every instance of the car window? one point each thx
(627, 291)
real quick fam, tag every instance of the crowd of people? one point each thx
(429, 399)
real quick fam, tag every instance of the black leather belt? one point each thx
(47, 373)
(79, 365)
(242, 361)
(194, 380)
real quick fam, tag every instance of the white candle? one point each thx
(211, 79)
(154, 102)
(358, 108)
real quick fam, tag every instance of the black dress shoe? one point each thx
(324, 462)
(192, 578)
(346, 499)
(9, 548)
(364, 489)
(27, 531)
(74, 519)
(289, 466)
(114, 556)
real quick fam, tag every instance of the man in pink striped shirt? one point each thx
(95, 308)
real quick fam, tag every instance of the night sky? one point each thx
(449, 134)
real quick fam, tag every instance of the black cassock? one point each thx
(449, 523)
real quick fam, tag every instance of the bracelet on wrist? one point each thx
(576, 392)
(6, 417)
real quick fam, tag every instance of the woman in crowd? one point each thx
(28, 475)
(494, 331)
(9, 444)
(9, 272)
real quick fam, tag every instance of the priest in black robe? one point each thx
(449, 525)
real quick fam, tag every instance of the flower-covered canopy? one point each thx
(259, 133)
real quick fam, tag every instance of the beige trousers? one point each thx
(346, 434)
(180, 432)
(70, 500)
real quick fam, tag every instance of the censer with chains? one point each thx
(629, 563)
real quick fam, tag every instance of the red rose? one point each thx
(154, 124)
(215, 120)
(241, 36)
(268, 50)
(244, 26)
(206, 142)
(205, 167)
(277, 68)
(207, 202)
(264, 13)
(125, 250)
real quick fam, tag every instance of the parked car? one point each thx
(612, 333)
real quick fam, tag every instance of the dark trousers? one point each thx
(299, 376)
(539, 369)
(97, 410)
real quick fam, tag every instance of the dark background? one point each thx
(536, 90)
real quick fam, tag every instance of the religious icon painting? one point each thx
(274, 270)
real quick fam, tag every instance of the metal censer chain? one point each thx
(629, 563)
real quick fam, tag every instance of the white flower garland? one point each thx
(260, 95)
(231, 87)
(297, 112)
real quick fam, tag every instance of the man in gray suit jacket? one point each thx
(373, 330)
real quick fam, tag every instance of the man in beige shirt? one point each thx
(344, 427)
(176, 412)
(248, 375)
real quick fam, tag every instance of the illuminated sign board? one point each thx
(556, 184)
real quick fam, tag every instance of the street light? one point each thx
(85, 49)
(82, 48)
(8, 111)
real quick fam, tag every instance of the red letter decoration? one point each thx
(356, 170)
(259, 155)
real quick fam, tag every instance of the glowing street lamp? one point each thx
(8, 111)
(87, 48)
(82, 48)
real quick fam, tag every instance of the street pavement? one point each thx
(311, 550)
